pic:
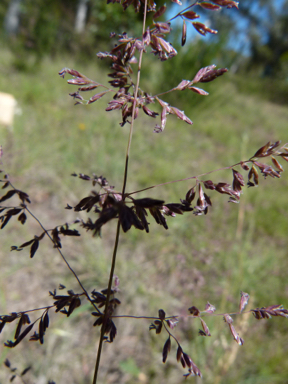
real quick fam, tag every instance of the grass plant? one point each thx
(200, 259)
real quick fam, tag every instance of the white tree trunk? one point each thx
(12, 17)
(81, 16)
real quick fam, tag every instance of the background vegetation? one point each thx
(200, 258)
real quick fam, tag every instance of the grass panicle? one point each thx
(138, 208)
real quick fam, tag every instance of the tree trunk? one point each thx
(81, 16)
(12, 17)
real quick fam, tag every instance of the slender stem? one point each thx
(134, 105)
(63, 257)
(184, 10)
(37, 309)
(123, 197)
(180, 316)
(169, 333)
(106, 306)
(59, 250)
(187, 178)
(141, 317)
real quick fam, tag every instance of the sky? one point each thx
(239, 40)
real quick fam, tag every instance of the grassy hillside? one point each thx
(207, 258)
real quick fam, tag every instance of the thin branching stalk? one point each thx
(106, 306)
(184, 10)
(187, 178)
(134, 106)
(123, 196)
(61, 254)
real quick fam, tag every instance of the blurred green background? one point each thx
(200, 259)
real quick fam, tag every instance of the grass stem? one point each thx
(123, 194)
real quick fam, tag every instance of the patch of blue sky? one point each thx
(239, 39)
(235, 42)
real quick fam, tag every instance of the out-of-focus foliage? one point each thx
(263, 28)
(48, 27)
(259, 29)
